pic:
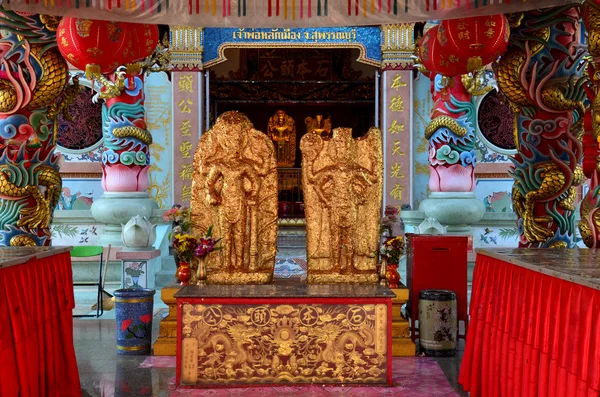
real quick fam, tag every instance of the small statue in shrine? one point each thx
(342, 179)
(282, 131)
(234, 189)
(319, 126)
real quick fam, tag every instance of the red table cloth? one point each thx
(37, 357)
(531, 334)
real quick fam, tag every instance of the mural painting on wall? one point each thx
(157, 89)
(495, 194)
(79, 194)
(65, 234)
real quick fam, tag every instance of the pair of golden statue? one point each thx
(282, 131)
(235, 190)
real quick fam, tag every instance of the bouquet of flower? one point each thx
(388, 221)
(185, 244)
(207, 244)
(180, 217)
(393, 249)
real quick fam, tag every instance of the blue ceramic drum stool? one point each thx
(134, 320)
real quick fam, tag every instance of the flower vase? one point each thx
(393, 277)
(135, 280)
(201, 273)
(184, 273)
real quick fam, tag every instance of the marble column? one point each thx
(188, 106)
(396, 89)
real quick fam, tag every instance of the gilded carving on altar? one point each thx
(271, 343)
(282, 131)
(342, 180)
(234, 189)
(319, 126)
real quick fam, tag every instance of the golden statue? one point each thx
(234, 189)
(342, 180)
(282, 131)
(319, 126)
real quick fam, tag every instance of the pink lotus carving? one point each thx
(120, 178)
(454, 178)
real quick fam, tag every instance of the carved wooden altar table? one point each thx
(37, 357)
(230, 335)
(535, 324)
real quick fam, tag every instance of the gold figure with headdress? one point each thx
(319, 126)
(282, 131)
(342, 179)
(234, 189)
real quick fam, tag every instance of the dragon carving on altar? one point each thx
(541, 75)
(589, 224)
(33, 76)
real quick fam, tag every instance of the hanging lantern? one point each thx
(144, 39)
(472, 43)
(432, 58)
(94, 46)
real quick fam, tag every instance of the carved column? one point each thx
(397, 47)
(33, 76)
(126, 155)
(188, 115)
(589, 225)
(452, 159)
(540, 74)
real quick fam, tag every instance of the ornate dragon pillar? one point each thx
(541, 75)
(126, 156)
(33, 74)
(188, 96)
(589, 224)
(397, 47)
(452, 158)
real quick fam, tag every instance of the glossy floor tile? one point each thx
(104, 373)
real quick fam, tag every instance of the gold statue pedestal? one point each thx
(291, 333)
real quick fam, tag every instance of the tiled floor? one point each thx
(104, 373)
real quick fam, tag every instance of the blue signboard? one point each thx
(366, 38)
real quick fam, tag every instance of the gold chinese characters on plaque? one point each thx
(342, 179)
(279, 343)
(234, 189)
(282, 131)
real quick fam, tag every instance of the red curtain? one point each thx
(37, 357)
(530, 334)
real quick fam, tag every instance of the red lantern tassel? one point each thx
(270, 12)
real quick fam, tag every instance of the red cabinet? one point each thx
(436, 262)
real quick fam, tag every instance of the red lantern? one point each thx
(94, 46)
(433, 58)
(145, 39)
(472, 43)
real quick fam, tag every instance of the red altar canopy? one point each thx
(275, 13)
